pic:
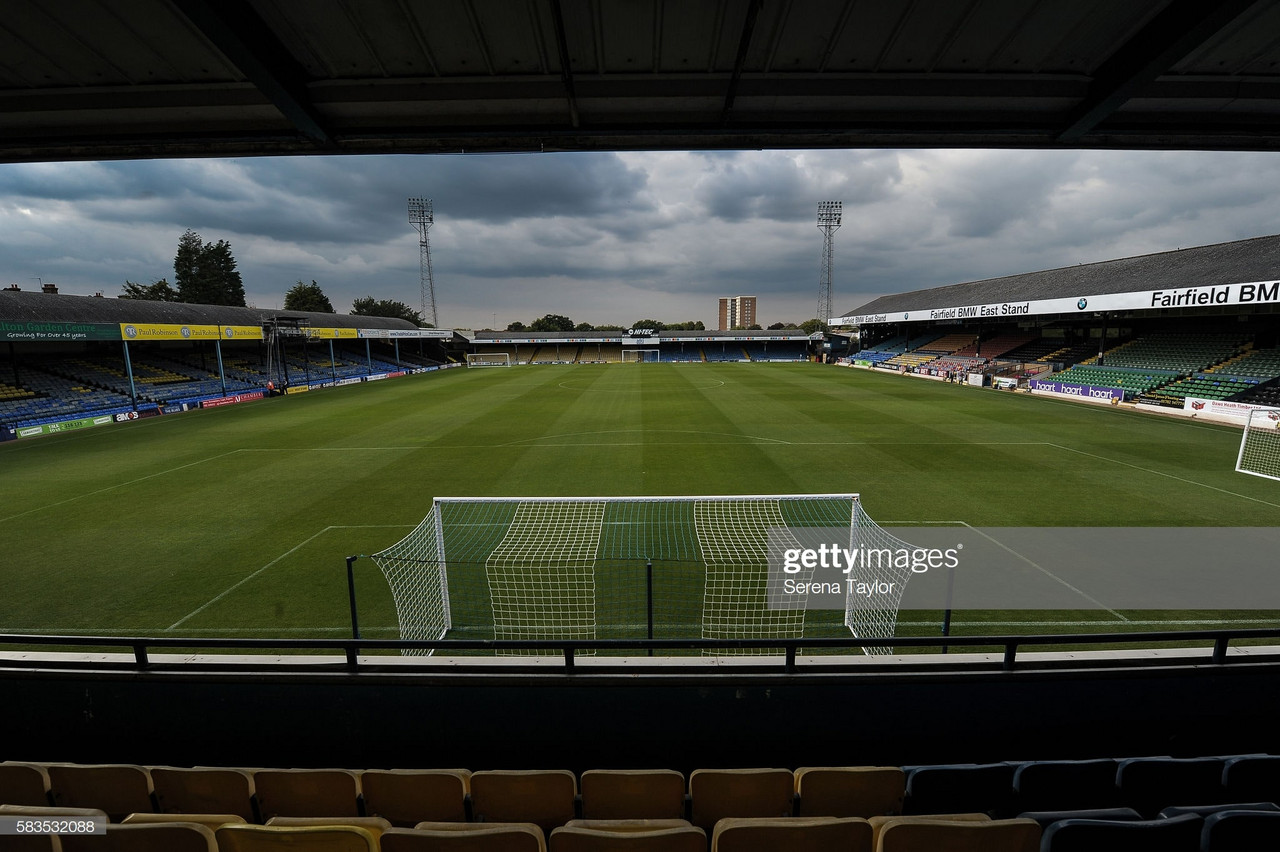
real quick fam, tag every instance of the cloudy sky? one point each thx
(613, 238)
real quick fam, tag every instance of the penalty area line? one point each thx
(1166, 475)
(1000, 544)
(95, 493)
(287, 553)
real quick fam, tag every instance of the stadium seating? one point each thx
(407, 797)
(576, 838)
(372, 824)
(306, 792)
(794, 834)
(1148, 784)
(24, 784)
(208, 790)
(326, 838)
(1239, 831)
(1178, 834)
(1165, 803)
(720, 793)
(466, 837)
(1251, 778)
(154, 837)
(1132, 382)
(911, 834)
(1203, 386)
(544, 798)
(1176, 352)
(998, 345)
(1048, 818)
(959, 788)
(118, 789)
(213, 821)
(850, 791)
(1065, 784)
(639, 794)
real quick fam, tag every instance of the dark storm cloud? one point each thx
(980, 196)
(622, 236)
(787, 189)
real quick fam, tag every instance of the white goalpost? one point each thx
(1260, 444)
(488, 359)
(627, 567)
(640, 356)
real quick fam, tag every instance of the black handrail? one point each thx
(568, 649)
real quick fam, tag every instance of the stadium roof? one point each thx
(665, 336)
(20, 307)
(103, 79)
(1242, 273)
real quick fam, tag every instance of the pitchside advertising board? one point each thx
(1093, 392)
(1247, 293)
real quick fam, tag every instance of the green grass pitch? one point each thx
(236, 521)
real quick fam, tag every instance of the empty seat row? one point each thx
(789, 834)
(1145, 784)
(554, 798)
(1230, 828)
(405, 797)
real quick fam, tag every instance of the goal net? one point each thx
(639, 356)
(488, 359)
(1260, 445)
(623, 567)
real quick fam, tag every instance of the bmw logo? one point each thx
(1083, 303)
(130, 331)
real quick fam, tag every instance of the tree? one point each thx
(649, 323)
(307, 297)
(157, 291)
(691, 325)
(584, 326)
(608, 328)
(371, 307)
(813, 325)
(777, 326)
(206, 273)
(516, 326)
(552, 322)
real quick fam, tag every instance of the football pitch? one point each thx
(235, 522)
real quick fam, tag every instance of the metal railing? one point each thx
(568, 650)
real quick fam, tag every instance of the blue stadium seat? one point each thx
(1179, 834)
(960, 788)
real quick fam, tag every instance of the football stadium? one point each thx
(987, 565)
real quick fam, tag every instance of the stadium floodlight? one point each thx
(623, 567)
(829, 216)
(422, 217)
(1260, 444)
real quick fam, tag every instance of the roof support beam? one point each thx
(566, 70)
(241, 35)
(1178, 29)
(744, 44)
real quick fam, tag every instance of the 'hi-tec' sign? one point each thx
(639, 332)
